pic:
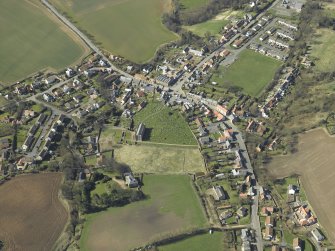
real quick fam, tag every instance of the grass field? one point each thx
(31, 215)
(164, 125)
(159, 158)
(172, 206)
(314, 161)
(251, 72)
(129, 28)
(192, 4)
(213, 26)
(32, 40)
(323, 48)
(212, 242)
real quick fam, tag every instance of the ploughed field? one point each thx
(172, 206)
(31, 215)
(32, 40)
(129, 28)
(315, 162)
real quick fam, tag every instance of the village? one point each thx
(77, 102)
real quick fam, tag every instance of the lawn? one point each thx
(164, 125)
(212, 242)
(128, 28)
(213, 26)
(323, 48)
(251, 72)
(172, 206)
(152, 158)
(32, 40)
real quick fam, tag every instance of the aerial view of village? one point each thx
(167, 125)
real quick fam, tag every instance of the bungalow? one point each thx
(130, 180)
(317, 235)
(218, 193)
(242, 212)
(140, 132)
(41, 119)
(28, 143)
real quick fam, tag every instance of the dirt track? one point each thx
(31, 215)
(315, 162)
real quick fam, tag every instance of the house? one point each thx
(271, 31)
(28, 143)
(265, 211)
(268, 234)
(204, 140)
(317, 235)
(47, 97)
(34, 129)
(297, 245)
(291, 189)
(202, 131)
(78, 98)
(263, 37)
(69, 72)
(218, 193)
(61, 119)
(199, 122)
(288, 25)
(140, 132)
(242, 212)
(223, 110)
(29, 113)
(50, 80)
(275, 248)
(130, 180)
(269, 221)
(305, 216)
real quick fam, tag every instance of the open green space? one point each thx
(172, 206)
(251, 72)
(164, 125)
(31, 40)
(214, 25)
(212, 242)
(151, 158)
(322, 50)
(128, 28)
(192, 4)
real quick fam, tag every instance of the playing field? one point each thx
(128, 28)
(322, 50)
(172, 206)
(314, 161)
(152, 158)
(212, 242)
(31, 215)
(32, 40)
(164, 125)
(251, 72)
(215, 25)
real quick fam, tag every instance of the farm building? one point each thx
(140, 132)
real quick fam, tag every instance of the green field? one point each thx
(128, 28)
(322, 50)
(251, 72)
(192, 4)
(150, 158)
(213, 26)
(210, 242)
(172, 206)
(164, 125)
(31, 41)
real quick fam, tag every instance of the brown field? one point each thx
(315, 162)
(31, 215)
